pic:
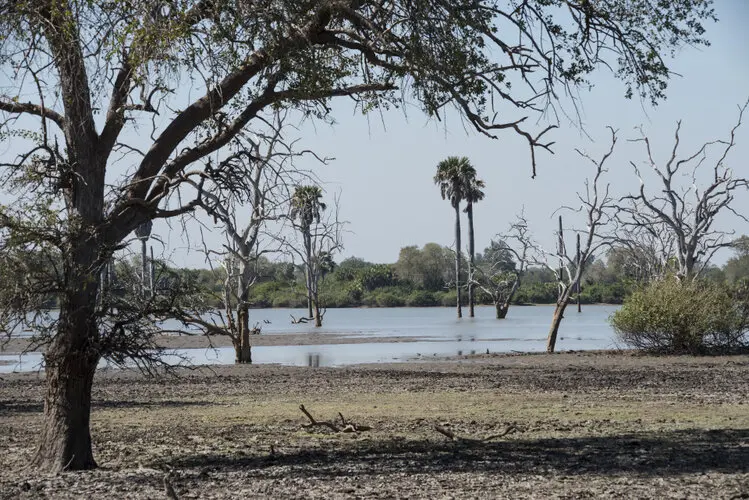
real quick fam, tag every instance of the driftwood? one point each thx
(473, 441)
(296, 321)
(346, 426)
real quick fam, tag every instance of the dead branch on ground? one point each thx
(473, 441)
(347, 426)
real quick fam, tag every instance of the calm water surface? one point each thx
(436, 331)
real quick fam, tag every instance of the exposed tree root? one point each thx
(469, 440)
(346, 426)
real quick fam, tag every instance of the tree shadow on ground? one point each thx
(662, 454)
(9, 407)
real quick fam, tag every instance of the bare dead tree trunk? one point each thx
(456, 205)
(551, 341)
(577, 285)
(597, 206)
(318, 316)
(242, 346)
(502, 307)
(471, 251)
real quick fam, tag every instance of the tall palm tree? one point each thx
(307, 207)
(473, 194)
(453, 175)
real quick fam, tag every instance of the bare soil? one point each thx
(593, 425)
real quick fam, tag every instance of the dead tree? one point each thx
(315, 236)
(253, 193)
(598, 207)
(502, 284)
(681, 216)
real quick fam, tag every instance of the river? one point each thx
(436, 332)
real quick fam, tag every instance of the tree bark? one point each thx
(242, 348)
(551, 341)
(471, 251)
(457, 258)
(70, 363)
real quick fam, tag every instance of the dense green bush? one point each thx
(390, 299)
(681, 317)
(422, 298)
(536, 293)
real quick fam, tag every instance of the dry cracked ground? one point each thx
(588, 426)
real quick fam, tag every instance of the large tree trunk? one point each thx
(457, 258)
(551, 341)
(471, 251)
(70, 363)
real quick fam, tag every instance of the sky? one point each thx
(384, 166)
(384, 162)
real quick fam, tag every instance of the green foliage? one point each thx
(376, 276)
(430, 268)
(454, 176)
(307, 205)
(422, 298)
(673, 316)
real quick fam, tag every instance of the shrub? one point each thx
(421, 298)
(390, 299)
(670, 316)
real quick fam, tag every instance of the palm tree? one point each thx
(307, 207)
(473, 194)
(453, 175)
